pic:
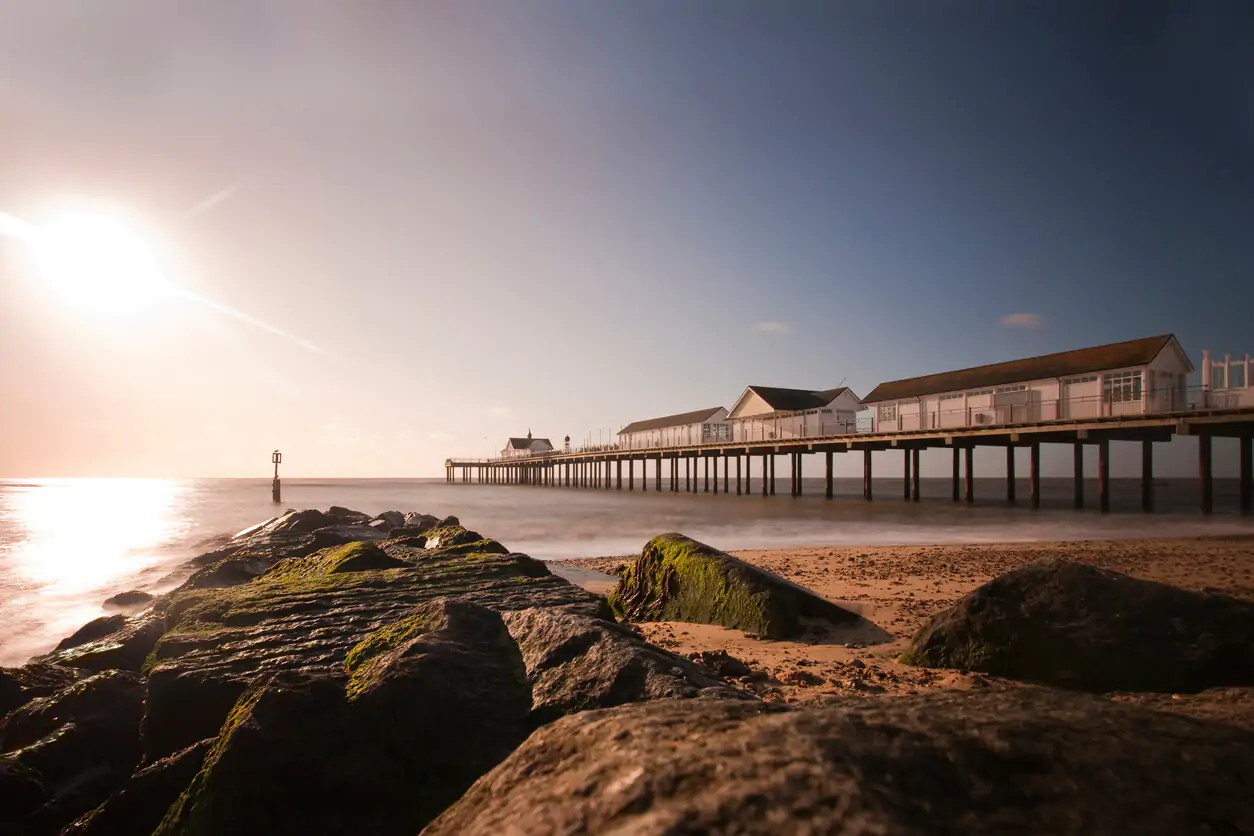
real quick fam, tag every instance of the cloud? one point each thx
(772, 327)
(498, 411)
(1023, 320)
(214, 199)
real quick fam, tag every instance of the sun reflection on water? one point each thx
(80, 534)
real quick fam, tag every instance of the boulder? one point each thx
(421, 522)
(1081, 627)
(1021, 760)
(79, 745)
(392, 519)
(577, 662)
(97, 628)
(125, 649)
(354, 557)
(140, 805)
(421, 708)
(19, 686)
(130, 600)
(678, 579)
(217, 640)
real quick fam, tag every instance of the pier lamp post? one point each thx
(275, 491)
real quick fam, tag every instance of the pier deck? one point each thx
(604, 468)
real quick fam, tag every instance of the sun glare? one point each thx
(95, 259)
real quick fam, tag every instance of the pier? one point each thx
(746, 467)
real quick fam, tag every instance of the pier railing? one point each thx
(1120, 404)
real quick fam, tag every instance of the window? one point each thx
(951, 396)
(1122, 387)
(716, 432)
(888, 412)
(1218, 379)
(1236, 377)
(1086, 378)
(977, 393)
(826, 411)
(1018, 387)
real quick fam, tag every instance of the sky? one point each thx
(445, 223)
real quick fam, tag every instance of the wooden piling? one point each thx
(1204, 473)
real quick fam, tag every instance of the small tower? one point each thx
(567, 444)
(528, 435)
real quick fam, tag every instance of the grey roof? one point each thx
(525, 443)
(698, 417)
(793, 400)
(1063, 364)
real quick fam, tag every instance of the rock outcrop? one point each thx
(678, 579)
(140, 805)
(1077, 626)
(19, 686)
(132, 599)
(1023, 761)
(577, 662)
(421, 707)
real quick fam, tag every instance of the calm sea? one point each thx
(66, 545)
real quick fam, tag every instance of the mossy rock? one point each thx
(353, 557)
(1077, 626)
(679, 579)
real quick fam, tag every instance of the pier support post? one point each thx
(1247, 476)
(905, 491)
(969, 453)
(772, 458)
(766, 474)
(618, 475)
(748, 474)
(1034, 473)
(1078, 467)
(915, 454)
(1147, 476)
(726, 468)
(705, 460)
(827, 484)
(644, 473)
(866, 475)
(1011, 497)
(716, 458)
(737, 474)
(796, 473)
(657, 475)
(1205, 474)
(687, 474)
(957, 473)
(1103, 476)
(631, 474)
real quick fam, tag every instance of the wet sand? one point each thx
(896, 589)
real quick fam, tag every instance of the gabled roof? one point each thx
(1063, 364)
(525, 443)
(700, 416)
(794, 400)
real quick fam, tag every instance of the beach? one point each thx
(897, 588)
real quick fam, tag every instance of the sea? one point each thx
(67, 544)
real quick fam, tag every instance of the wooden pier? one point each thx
(701, 464)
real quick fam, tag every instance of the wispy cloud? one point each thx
(1023, 320)
(772, 327)
(214, 199)
(498, 411)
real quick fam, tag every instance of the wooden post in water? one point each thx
(766, 474)
(970, 486)
(827, 487)
(796, 473)
(1247, 476)
(1011, 497)
(1147, 475)
(276, 489)
(1078, 467)
(914, 486)
(737, 474)
(866, 475)
(1034, 473)
(657, 475)
(772, 458)
(905, 491)
(726, 468)
(1205, 474)
(1103, 476)
(957, 473)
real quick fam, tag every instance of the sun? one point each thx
(95, 259)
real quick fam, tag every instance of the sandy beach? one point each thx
(896, 589)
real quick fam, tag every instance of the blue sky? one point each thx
(561, 216)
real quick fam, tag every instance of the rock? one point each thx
(126, 649)
(21, 793)
(95, 629)
(19, 686)
(678, 579)
(722, 663)
(140, 805)
(392, 519)
(421, 522)
(448, 522)
(422, 707)
(81, 743)
(130, 600)
(354, 557)
(1022, 760)
(217, 640)
(1077, 626)
(576, 662)
(348, 516)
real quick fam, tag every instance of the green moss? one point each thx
(180, 815)
(358, 663)
(351, 557)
